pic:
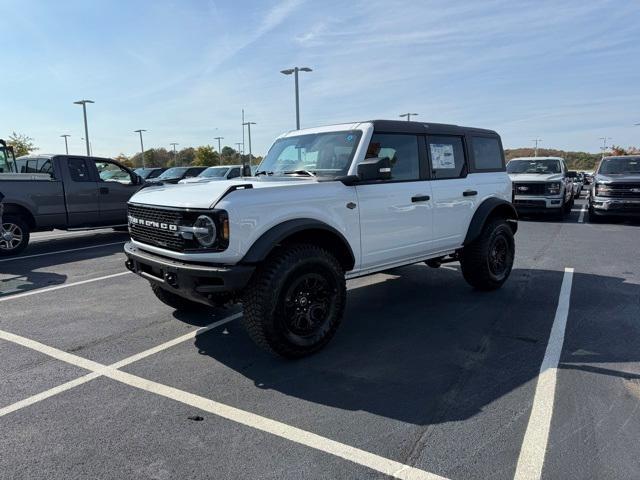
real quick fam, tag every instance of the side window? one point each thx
(447, 157)
(193, 172)
(487, 153)
(78, 170)
(110, 172)
(235, 172)
(401, 150)
(45, 166)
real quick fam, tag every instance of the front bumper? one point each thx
(614, 206)
(194, 281)
(532, 203)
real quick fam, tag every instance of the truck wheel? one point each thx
(14, 236)
(294, 303)
(486, 262)
(176, 301)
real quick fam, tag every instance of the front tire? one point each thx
(487, 262)
(176, 301)
(14, 235)
(295, 301)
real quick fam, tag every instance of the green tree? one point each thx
(124, 160)
(206, 156)
(22, 144)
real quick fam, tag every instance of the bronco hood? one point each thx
(204, 195)
(535, 177)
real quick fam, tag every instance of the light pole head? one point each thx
(82, 102)
(140, 131)
(288, 71)
(65, 135)
(305, 69)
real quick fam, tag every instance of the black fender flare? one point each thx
(490, 207)
(275, 235)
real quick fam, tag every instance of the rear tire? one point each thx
(294, 302)
(487, 261)
(14, 236)
(176, 301)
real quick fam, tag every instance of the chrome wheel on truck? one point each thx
(14, 236)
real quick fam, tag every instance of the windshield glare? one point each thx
(323, 154)
(214, 172)
(533, 166)
(174, 172)
(617, 166)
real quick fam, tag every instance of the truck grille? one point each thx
(529, 188)
(530, 203)
(155, 233)
(622, 190)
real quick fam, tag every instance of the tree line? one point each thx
(575, 160)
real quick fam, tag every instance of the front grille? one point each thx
(153, 235)
(530, 203)
(621, 190)
(529, 188)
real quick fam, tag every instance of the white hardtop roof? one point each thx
(340, 127)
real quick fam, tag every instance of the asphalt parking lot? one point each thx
(425, 379)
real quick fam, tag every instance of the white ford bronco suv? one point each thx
(327, 204)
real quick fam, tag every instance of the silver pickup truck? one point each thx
(68, 192)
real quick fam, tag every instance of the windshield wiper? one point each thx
(263, 172)
(298, 172)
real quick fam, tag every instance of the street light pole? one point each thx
(535, 151)
(86, 128)
(408, 115)
(66, 145)
(219, 150)
(295, 71)
(248, 124)
(243, 131)
(175, 155)
(239, 144)
(141, 144)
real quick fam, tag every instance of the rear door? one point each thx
(396, 215)
(81, 192)
(116, 186)
(455, 196)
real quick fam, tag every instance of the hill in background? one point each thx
(575, 160)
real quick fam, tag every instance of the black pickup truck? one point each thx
(68, 192)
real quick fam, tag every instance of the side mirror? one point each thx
(374, 169)
(572, 174)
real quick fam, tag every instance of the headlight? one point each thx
(205, 231)
(600, 188)
(553, 188)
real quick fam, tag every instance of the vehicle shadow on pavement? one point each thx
(422, 348)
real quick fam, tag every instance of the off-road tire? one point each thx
(21, 226)
(476, 262)
(176, 301)
(269, 296)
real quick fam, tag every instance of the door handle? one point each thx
(104, 190)
(469, 193)
(420, 198)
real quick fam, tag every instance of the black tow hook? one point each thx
(171, 279)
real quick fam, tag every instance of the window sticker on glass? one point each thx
(442, 156)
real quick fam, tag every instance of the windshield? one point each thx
(620, 165)
(214, 172)
(534, 166)
(323, 154)
(143, 172)
(175, 172)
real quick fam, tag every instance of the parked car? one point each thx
(577, 186)
(65, 192)
(616, 188)
(327, 204)
(222, 172)
(149, 173)
(541, 185)
(175, 174)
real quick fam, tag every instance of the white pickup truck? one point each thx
(327, 204)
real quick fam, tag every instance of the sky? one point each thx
(565, 72)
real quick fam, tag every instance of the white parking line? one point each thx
(252, 420)
(582, 211)
(534, 445)
(96, 373)
(37, 291)
(60, 251)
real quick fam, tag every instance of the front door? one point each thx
(81, 194)
(115, 187)
(396, 214)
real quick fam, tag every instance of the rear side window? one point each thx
(401, 150)
(235, 172)
(78, 170)
(487, 153)
(447, 157)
